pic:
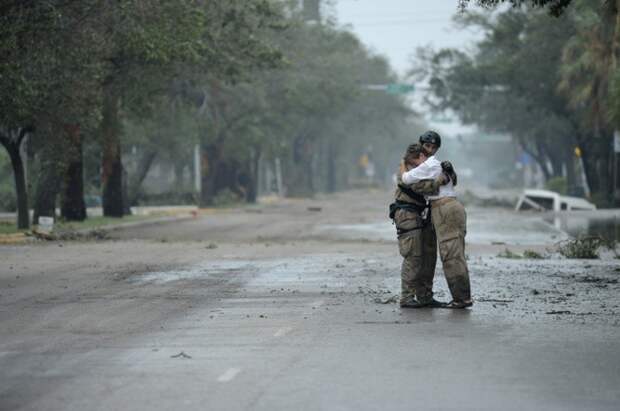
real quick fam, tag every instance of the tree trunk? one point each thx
(536, 154)
(252, 186)
(331, 167)
(111, 165)
(146, 161)
(300, 182)
(73, 207)
(125, 187)
(19, 175)
(211, 157)
(48, 181)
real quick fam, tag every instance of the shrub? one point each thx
(557, 184)
(533, 255)
(581, 247)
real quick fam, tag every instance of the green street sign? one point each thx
(396, 88)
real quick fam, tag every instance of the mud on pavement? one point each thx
(300, 294)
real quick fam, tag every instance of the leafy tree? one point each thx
(556, 7)
(150, 46)
(510, 84)
(41, 53)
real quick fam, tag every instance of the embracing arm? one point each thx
(429, 186)
(424, 171)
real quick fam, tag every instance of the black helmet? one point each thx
(431, 137)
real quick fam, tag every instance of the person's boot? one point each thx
(435, 304)
(459, 305)
(411, 302)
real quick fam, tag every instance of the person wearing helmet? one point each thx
(431, 142)
(448, 218)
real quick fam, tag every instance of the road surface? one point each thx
(287, 306)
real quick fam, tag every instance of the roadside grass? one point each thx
(10, 227)
(509, 254)
(532, 255)
(527, 254)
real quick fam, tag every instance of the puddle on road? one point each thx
(528, 290)
(201, 271)
(577, 224)
(268, 273)
(484, 226)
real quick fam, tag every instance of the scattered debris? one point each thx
(181, 355)
(211, 246)
(597, 280)
(315, 208)
(493, 300)
(70, 235)
(386, 300)
(559, 312)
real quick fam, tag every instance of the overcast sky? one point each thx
(395, 28)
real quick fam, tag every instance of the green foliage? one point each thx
(509, 254)
(527, 254)
(549, 82)
(532, 255)
(508, 85)
(555, 7)
(225, 198)
(558, 185)
(614, 99)
(8, 201)
(247, 78)
(586, 247)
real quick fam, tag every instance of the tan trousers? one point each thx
(419, 251)
(450, 222)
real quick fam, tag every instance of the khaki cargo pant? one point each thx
(450, 222)
(419, 251)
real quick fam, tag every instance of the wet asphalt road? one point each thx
(198, 316)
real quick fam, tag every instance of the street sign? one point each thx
(396, 88)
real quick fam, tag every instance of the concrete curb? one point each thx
(134, 224)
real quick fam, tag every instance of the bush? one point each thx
(581, 247)
(557, 184)
(226, 197)
(532, 255)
